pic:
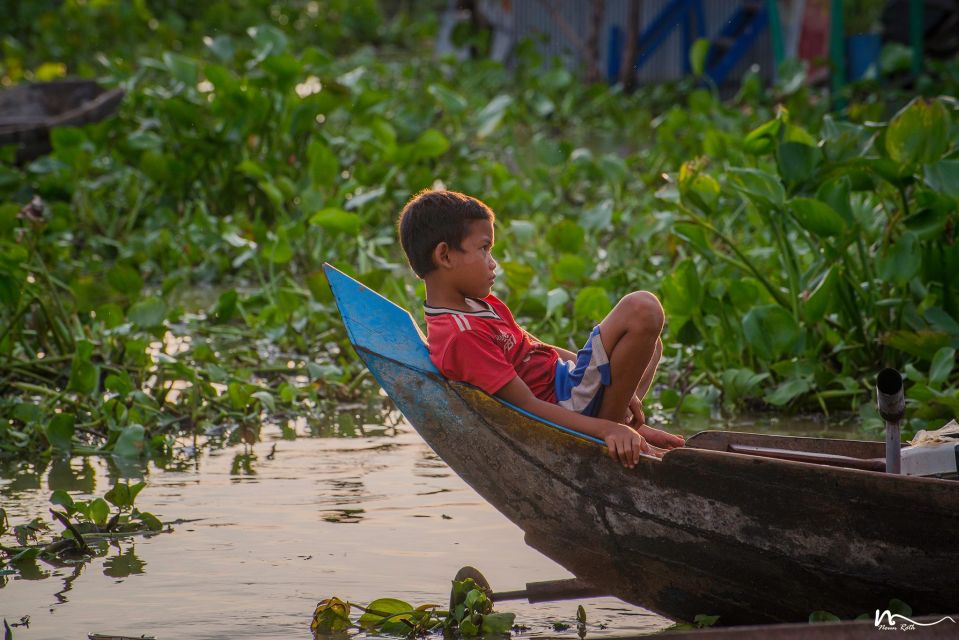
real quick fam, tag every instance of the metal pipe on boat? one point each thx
(892, 407)
(551, 590)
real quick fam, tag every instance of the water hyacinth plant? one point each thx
(160, 270)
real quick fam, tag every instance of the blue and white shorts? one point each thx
(580, 384)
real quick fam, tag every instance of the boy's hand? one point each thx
(625, 444)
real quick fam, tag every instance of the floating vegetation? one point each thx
(160, 270)
(471, 615)
(90, 528)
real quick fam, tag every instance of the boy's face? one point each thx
(473, 264)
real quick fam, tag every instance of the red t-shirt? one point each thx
(488, 349)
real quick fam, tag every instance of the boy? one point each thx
(472, 337)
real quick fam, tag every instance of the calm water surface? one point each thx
(278, 525)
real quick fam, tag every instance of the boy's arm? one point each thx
(624, 444)
(563, 353)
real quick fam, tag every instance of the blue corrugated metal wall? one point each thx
(530, 17)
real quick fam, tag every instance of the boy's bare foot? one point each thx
(656, 451)
(660, 438)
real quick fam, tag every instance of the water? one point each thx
(278, 525)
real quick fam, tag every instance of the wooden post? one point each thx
(837, 52)
(776, 33)
(916, 27)
(627, 70)
(592, 43)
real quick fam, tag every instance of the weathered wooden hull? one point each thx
(752, 539)
(28, 112)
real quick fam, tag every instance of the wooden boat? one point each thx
(28, 112)
(705, 529)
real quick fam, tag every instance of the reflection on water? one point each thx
(124, 563)
(278, 520)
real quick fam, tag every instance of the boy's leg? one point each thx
(630, 335)
(647, 380)
(627, 333)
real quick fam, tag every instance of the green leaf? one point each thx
(381, 610)
(741, 383)
(135, 489)
(110, 314)
(598, 217)
(130, 443)
(239, 394)
(452, 102)
(697, 55)
(67, 138)
(682, 291)
(823, 616)
(337, 221)
(221, 46)
(269, 40)
(226, 307)
(569, 268)
(943, 176)
(760, 140)
(695, 405)
(498, 623)
(770, 331)
(84, 375)
(181, 67)
(324, 168)
(252, 169)
(60, 431)
(566, 235)
(331, 616)
(151, 521)
(820, 300)
(492, 114)
(125, 280)
(942, 364)
(902, 260)
(702, 620)
(797, 161)
(919, 133)
(788, 390)
(430, 144)
(272, 192)
(468, 629)
(699, 189)
(49, 71)
(61, 498)
(120, 384)
(122, 495)
(762, 188)
(9, 291)
(591, 304)
(518, 276)
(817, 217)
(835, 193)
(99, 511)
(556, 299)
(266, 400)
(278, 249)
(148, 313)
(922, 344)
(899, 607)
(363, 198)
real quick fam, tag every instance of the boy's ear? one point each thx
(441, 255)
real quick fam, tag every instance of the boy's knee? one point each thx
(645, 312)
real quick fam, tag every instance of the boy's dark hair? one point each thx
(432, 217)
